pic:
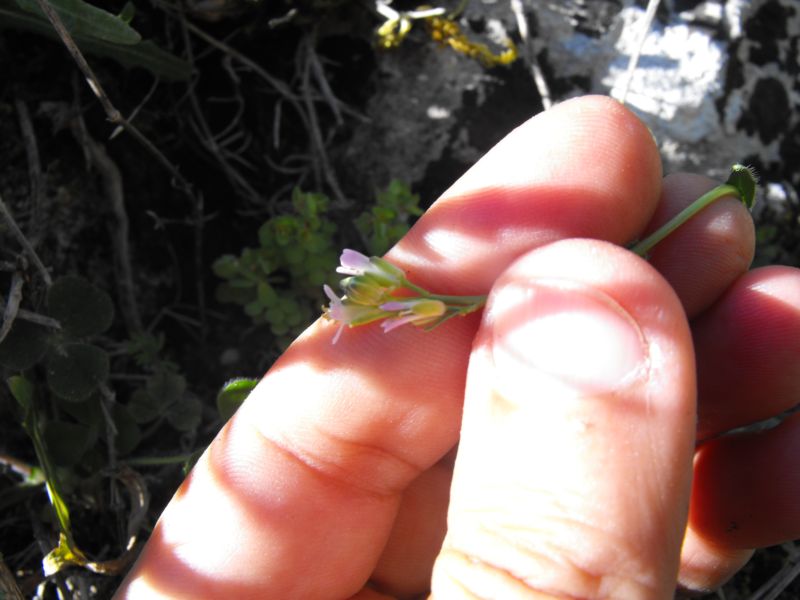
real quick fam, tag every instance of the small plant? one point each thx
(163, 395)
(376, 290)
(97, 32)
(59, 376)
(278, 283)
(74, 368)
(387, 221)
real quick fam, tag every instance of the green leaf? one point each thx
(128, 432)
(84, 19)
(279, 328)
(184, 415)
(226, 266)
(230, 294)
(294, 255)
(266, 294)
(75, 370)
(145, 54)
(254, 308)
(143, 407)
(145, 347)
(127, 13)
(24, 346)
(745, 181)
(88, 412)
(22, 389)
(82, 308)
(232, 394)
(67, 442)
(166, 387)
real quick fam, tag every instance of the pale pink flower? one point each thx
(353, 262)
(348, 314)
(416, 311)
(382, 272)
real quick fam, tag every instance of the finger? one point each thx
(748, 349)
(747, 353)
(746, 488)
(700, 261)
(573, 469)
(307, 477)
(570, 172)
(703, 257)
(404, 568)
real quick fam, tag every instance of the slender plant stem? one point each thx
(157, 461)
(23, 241)
(643, 247)
(466, 300)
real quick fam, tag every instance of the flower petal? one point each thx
(353, 262)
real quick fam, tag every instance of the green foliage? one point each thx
(745, 181)
(75, 370)
(66, 552)
(22, 390)
(128, 432)
(278, 283)
(24, 346)
(67, 442)
(387, 221)
(164, 397)
(80, 307)
(81, 18)
(232, 394)
(145, 348)
(97, 32)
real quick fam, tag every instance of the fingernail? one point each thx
(577, 336)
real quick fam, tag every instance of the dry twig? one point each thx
(214, 143)
(316, 135)
(117, 119)
(652, 6)
(111, 112)
(529, 55)
(23, 241)
(8, 585)
(11, 309)
(121, 253)
(34, 170)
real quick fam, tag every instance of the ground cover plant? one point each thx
(168, 229)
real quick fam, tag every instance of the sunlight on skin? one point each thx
(602, 430)
(313, 466)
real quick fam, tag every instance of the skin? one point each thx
(510, 454)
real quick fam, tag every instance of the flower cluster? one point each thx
(372, 282)
(370, 296)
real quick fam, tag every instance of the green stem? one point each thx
(157, 461)
(478, 301)
(423, 293)
(643, 247)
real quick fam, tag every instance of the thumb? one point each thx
(573, 470)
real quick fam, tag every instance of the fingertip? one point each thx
(746, 487)
(574, 464)
(587, 168)
(704, 256)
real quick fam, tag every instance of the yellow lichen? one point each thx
(446, 32)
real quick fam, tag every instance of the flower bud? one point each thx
(363, 289)
(382, 271)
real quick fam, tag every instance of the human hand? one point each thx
(565, 415)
